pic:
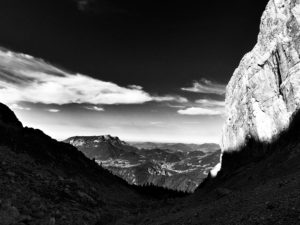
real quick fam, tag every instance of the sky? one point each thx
(140, 70)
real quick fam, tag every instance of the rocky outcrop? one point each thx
(264, 90)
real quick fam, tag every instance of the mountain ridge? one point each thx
(176, 146)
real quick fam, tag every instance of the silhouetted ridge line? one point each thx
(7, 118)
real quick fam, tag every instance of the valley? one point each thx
(180, 167)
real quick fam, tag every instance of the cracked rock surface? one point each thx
(264, 90)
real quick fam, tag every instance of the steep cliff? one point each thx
(264, 90)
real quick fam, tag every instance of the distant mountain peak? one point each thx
(81, 140)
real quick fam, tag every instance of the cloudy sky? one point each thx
(142, 71)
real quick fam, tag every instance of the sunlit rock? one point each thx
(264, 90)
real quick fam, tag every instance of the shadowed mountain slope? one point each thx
(48, 182)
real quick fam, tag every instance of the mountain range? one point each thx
(181, 147)
(177, 166)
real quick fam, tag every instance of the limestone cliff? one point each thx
(264, 90)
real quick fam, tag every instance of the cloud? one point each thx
(204, 107)
(82, 4)
(28, 79)
(133, 86)
(176, 106)
(95, 108)
(156, 123)
(53, 110)
(206, 87)
(210, 103)
(193, 111)
(170, 98)
(18, 107)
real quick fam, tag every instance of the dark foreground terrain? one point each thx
(45, 182)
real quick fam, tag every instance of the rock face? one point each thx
(264, 90)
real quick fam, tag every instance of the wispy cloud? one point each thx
(18, 107)
(133, 86)
(206, 87)
(210, 103)
(193, 111)
(204, 107)
(82, 4)
(28, 79)
(95, 108)
(155, 123)
(176, 106)
(170, 98)
(53, 110)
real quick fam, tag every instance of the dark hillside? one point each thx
(48, 182)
